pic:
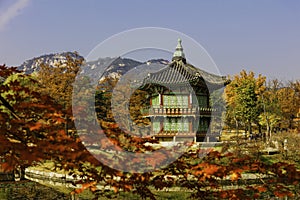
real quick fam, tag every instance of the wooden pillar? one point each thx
(190, 100)
(159, 98)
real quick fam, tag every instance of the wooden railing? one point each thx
(173, 133)
(151, 111)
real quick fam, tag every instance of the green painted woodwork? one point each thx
(156, 126)
(185, 125)
(175, 92)
(167, 125)
(155, 102)
(176, 125)
(202, 101)
(203, 125)
(175, 101)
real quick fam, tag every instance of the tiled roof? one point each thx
(179, 72)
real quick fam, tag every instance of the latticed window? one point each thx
(155, 102)
(185, 101)
(185, 125)
(179, 101)
(182, 101)
(180, 125)
(176, 124)
(156, 127)
(203, 125)
(202, 100)
(166, 101)
(173, 124)
(175, 101)
(167, 125)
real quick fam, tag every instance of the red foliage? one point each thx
(33, 129)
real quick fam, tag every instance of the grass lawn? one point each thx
(250, 146)
(33, 190)
(29, 190)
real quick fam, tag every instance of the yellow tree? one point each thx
(243, 98)
(296, 87)
(57, 82)
(288, 97)
(271, 115)
(32, 131)
(285, 96)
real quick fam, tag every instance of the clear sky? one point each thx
(258, 35)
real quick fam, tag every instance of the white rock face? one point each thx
(53, 60)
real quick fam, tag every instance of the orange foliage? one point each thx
(36, 132)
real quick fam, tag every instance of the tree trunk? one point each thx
(268, 131)
(271, 131)
(66, 124)
(259, 128)
(236, 127)
(250, 128)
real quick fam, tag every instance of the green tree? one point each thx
(32, 131)
(271, 115)
(243, 98)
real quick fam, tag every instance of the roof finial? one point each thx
(179, 50)
(179, 43)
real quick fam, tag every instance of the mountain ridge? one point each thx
(96, 69)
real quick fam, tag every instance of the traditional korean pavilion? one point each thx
(179, 107)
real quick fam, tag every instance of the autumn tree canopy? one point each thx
(32, 124)
(57, 82)
(243, 97)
